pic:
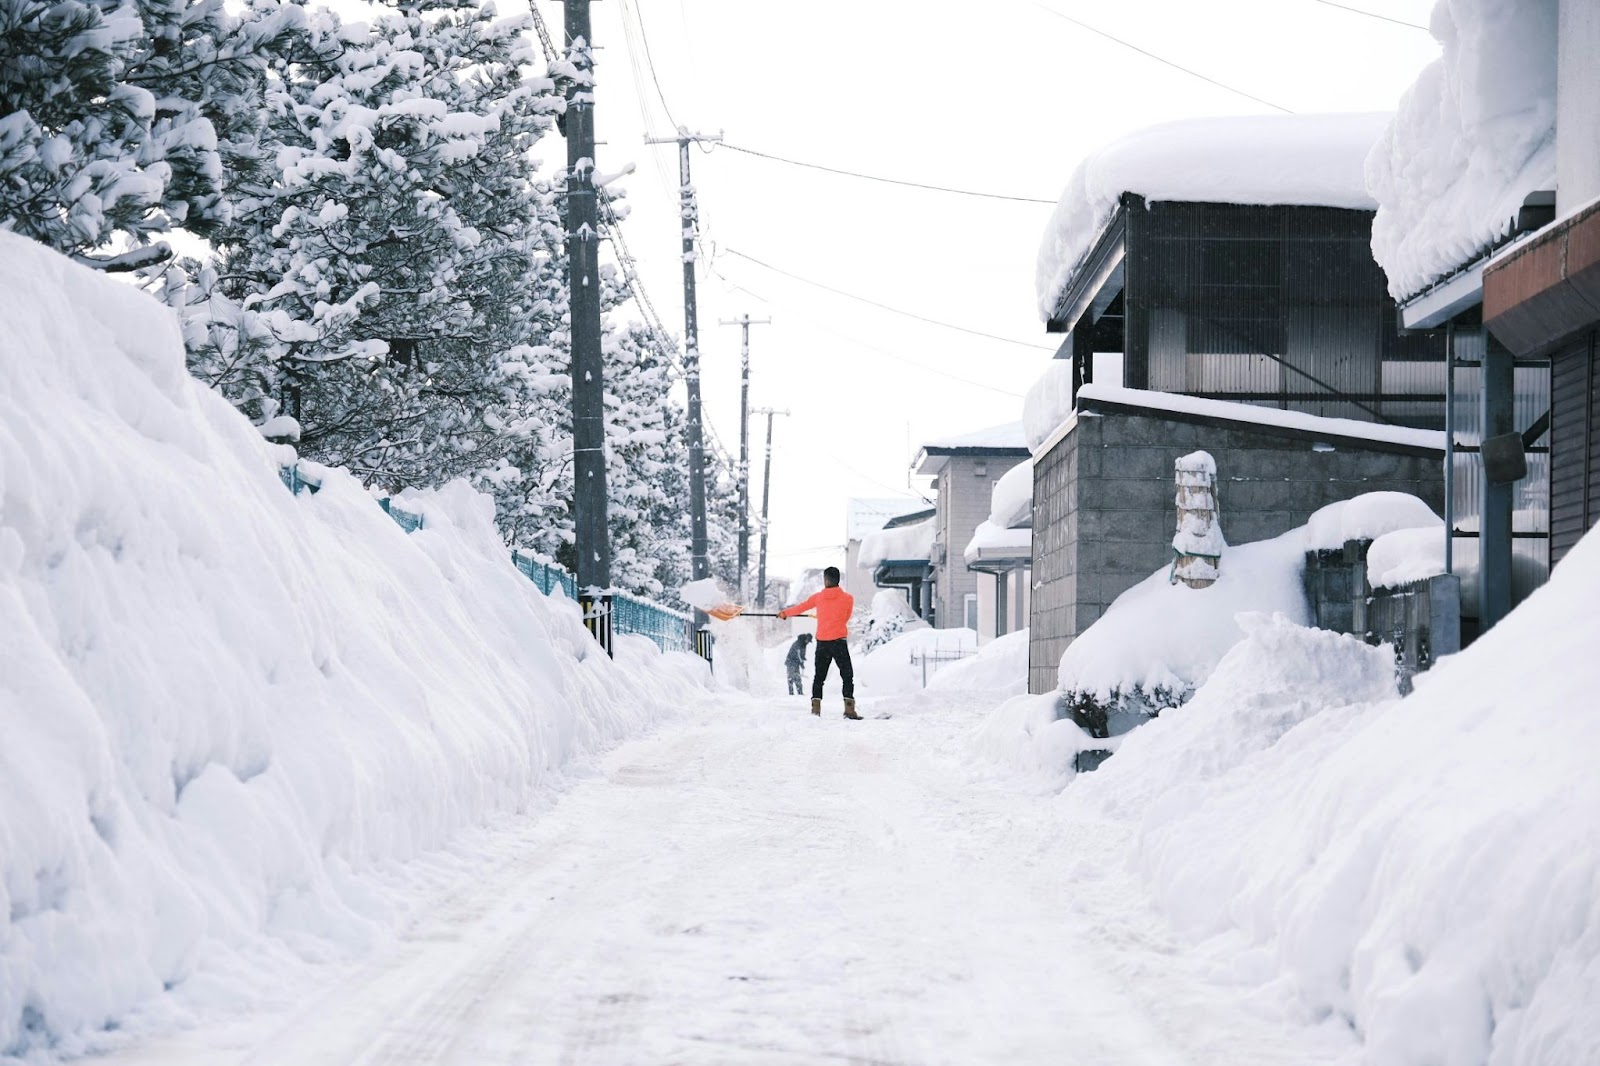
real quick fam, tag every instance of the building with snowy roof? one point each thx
(1216, 289)
(1467, 183)
(863, 517)
(899, 556)
(964, 468)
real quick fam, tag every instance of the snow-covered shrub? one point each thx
(891, 616)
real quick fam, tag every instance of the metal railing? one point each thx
(671, 630)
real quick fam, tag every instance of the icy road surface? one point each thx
(753, 885)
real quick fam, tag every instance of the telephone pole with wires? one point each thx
(689, 214)
(591, 535)
(744, 322)
(766, 498)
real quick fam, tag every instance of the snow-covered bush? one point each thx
(891, 616)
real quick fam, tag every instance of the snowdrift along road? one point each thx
(223, 705)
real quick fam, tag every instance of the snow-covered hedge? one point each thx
(223, 706)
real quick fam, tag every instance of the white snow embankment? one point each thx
(1000, 667)
(902, 664)
(1159, 635)
(1426, 870)
(224, 706)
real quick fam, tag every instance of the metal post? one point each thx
(689, 218)
(766, 497)
(591, 536)
(744, 322)
(1494, 521)
(1449, 447)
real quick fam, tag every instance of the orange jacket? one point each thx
(834, 607)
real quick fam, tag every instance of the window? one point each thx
(969, 610)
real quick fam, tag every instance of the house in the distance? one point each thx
(1002, 548)
(1224, 265)
(964, 469)
(899, 556)
(864, 517)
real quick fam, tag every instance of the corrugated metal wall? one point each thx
(1280, 306)
(1575, 441)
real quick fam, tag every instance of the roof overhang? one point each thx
(1098, 280)
(932, 459)
(1547, 289)
(1444, 300)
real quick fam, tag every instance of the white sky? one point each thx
(928, 92)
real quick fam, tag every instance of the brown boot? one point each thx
(816, 707)
(850, 709)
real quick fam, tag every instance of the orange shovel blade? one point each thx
(726, 612)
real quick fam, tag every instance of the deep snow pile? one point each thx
(1314, 160)
(904, 663)
(1166, 638)
(1000, 667)
(223, 705)
(1427, 870)
(1471, 139)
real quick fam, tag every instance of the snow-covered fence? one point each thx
(1421, 619)
(671, 630)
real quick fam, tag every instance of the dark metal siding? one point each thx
(1574, 445)
(1280, 306)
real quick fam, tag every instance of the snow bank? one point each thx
(1471, 139)
(1370, 516)
(1248, 159)
(1025, 735)
(903, 542)
(901, 664)
(1000, 667)
(1011, 502)
(222, 705)
(1426, 870)
(1159, 635)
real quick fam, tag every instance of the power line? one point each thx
(638, 13)
(886, 181)
(1168, 62)
(1374, 14)
(886, 307)
(925, 368)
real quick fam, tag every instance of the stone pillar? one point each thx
(1197, 545)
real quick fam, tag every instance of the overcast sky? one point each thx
(1005, 96)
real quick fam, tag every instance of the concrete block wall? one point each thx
(1108, 501)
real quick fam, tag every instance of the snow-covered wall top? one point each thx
(1472, 137)
(1313, 160)
(992, 538)
(1011, 502)
(903, 542)
(1048, 403)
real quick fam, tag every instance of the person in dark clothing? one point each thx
(795, 661)
(833, 606)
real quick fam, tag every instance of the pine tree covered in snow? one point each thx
(118, 123)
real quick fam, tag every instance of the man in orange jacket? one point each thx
(834, 606)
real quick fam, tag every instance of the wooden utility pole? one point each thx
(744, 322)
(766, 498)
(689, 213)
(591, 535)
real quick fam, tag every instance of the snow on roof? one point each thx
(863, 516)
(1011, 502)
(990, 541)
(1225, 410)
(1048, 403)
(1473, 136)
(1314, 160)
(1009, 435)
(906, 542)
(1368, 517)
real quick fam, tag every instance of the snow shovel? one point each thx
(727, 612)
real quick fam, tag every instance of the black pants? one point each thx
(833, 651)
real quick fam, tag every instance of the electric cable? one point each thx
(1160, 59)
(887, 181)
(886, 307)
(1375, 15)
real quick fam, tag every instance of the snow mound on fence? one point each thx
(1000, 667)
(900, 665)
(223, 705)
(1425, 870)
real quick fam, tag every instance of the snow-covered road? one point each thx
(752, 885)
